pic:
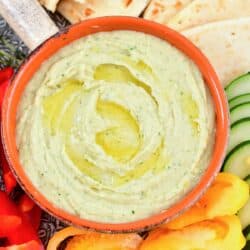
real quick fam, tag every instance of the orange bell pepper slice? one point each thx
(227, 194)
(60, 236)
(104, 241)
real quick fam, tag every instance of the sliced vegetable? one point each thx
(84, 239)
(3, 86)
(24, 232)
(62, 235)
(221, 233)
(8, 224)
(239, 112)
(7, 207)
(100, 241)
(240, 132)
(31, 245)
(6, 74)
(25, 203)
(9, 179)
(239, 100)
(34, 216)
(30, 210)
(15, 223)
(239, 86)
(221, 198)
(238, 160)
(244, 215)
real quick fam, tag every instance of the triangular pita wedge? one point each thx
(77, 10)
(49, 4)
(226, 44)
(162, 11)
(204, 11)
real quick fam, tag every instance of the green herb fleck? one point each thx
(132, 48)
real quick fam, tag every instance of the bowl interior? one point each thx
(51, 46)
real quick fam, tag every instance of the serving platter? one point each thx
(10, 43)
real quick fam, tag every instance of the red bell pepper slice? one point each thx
(5, 77)
(3, 87)
(31, 245)
(31, 210)
(6, 74)
(25, 231)
(18, 225)
(8, 224)
(34, 217)
(25, 203)
(9, 179)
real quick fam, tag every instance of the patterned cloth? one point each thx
(49, 225)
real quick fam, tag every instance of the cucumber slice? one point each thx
(240, 132)
(239, 86)
(239, 112)
(238, 160)
(244, 215)
(239, 100)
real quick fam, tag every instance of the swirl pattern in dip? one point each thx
(115, 127)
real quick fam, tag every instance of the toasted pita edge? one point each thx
(49, 4)
(78, 10)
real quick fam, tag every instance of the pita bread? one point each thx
(49, 4)
(204, 11)
(78, 10)
(226, 44)
(162, 11)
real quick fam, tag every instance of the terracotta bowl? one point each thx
(65, 37)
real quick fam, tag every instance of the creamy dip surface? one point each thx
(115, 127)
